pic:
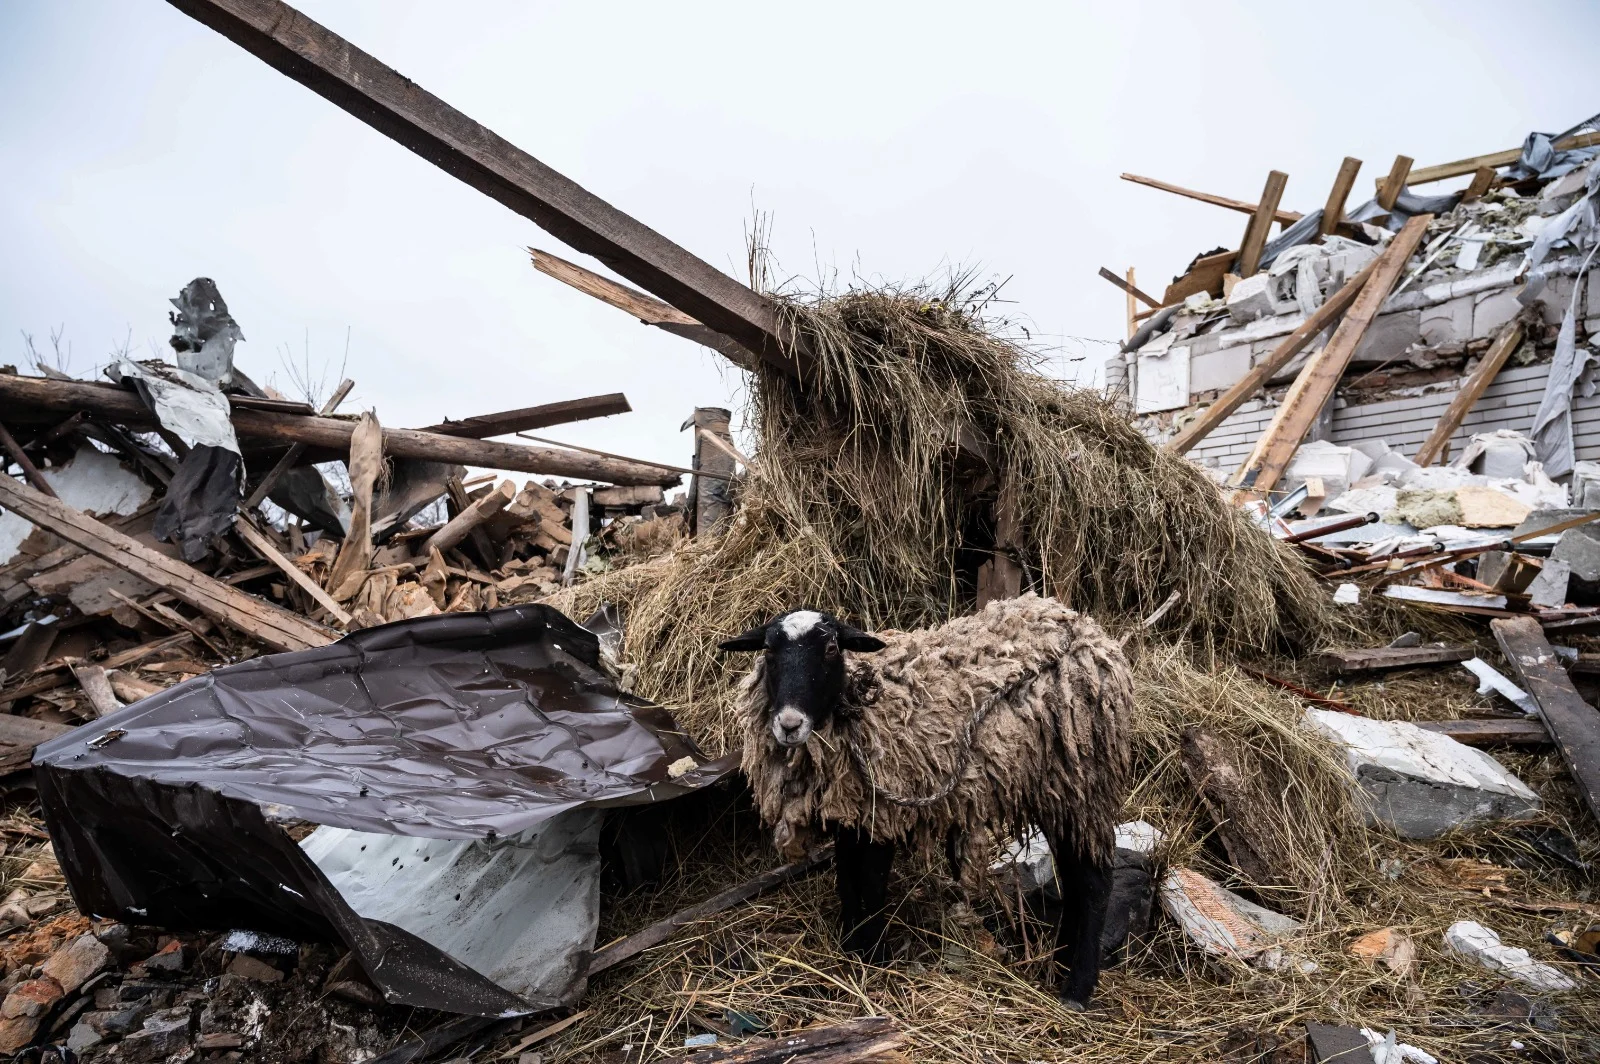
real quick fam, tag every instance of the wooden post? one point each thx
(396, 106)
(1390, 188)
(472, 516)
(1333, 212)
(349, 570)
(1482, 181)
(1001, 577)
(1437, 445)
(1131, 295)
(525, 419)
(1322, 371)
(1260, 225)
(709, 499)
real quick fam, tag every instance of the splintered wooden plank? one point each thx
(258, 541)
(1511, 731)
(527, 418)
(277, 628)
(1505, 342)
(647, 309)
(1573, 723)
(1260, 225)
(1290, 346)
(1482, 181)
(1286, 217)
(1205, 275)
(394, 105)
(1322, 370)
(1128, 287)
(1380, 658)
(1390, 187)
(1333, 213)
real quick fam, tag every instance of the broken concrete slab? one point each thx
(1222, 923)
(1421, 784)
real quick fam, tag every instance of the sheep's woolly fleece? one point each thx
(1054, 751)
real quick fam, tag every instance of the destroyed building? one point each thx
(315, 745)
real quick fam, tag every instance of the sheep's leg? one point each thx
(954, 841)
(862, 867)
(1085, 888)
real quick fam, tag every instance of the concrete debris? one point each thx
(1421, 784)
(1492, 679)
(1477, 944)
(1227, 926)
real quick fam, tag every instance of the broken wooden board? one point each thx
(18, 737)
(1462, 167)
(1205, 275)
(1511, 731)
(527, 418)
(1573, 723)
(1471, 390)
(1285, 217)
(1380, 658)
(399, 108)
(275, 627)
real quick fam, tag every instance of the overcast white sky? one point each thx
(139, 149)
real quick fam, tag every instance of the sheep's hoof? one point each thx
(1074, 1005)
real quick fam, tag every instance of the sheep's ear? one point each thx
(754, 639)
(857, 640)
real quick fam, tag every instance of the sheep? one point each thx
(958, 735)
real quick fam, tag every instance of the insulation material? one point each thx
(469, 727)
(92, 481)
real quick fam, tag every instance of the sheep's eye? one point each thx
(831, 651)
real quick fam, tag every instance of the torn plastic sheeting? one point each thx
(1552, 425)
(203, 332)
(462, 726)
(200, 502)
(191, 407)
(1541, 159)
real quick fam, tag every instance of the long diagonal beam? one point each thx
(340, 72)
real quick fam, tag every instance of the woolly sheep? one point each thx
(957, 735)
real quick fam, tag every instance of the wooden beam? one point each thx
(1511, 731)
(648, 310)
(1573, 723)
(1377, 659)
(277, 628)
(1130, 289)
(1322, 371)
(1471, 390)
(258, 541)
(1462, 167)
(1482, 181)
(108, 401)
(1333, 212)
(1260, 225)
(1390, 187)
(19, 456)
(291, 457)
(394, 105)
(533, 417)
(1131, 298)
(1281, 356)
(1286, 217)
(1204, 275)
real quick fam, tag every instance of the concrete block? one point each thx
(1556, 296)
(1492, 310)
(1389, 336)
(1449, 322)
(1421, 784)
(1251, 298)
(1580, 549)
(1217, 369)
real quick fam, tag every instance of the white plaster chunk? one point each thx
(91, 481)
(1478, 944)
(1421, 784)
(1251, 298)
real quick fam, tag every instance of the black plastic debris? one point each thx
(200, 502)
(172, 812)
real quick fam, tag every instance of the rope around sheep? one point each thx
(963, 756)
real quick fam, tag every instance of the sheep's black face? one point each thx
(805, 668)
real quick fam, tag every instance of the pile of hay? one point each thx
(860, 503)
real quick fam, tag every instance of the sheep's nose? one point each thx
(790, 726)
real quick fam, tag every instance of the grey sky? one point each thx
(140, 149)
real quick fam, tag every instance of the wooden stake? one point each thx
(1281, 356)
(1256, 233)
(263, 546)
(1322, 371)
(1131, 290)
(1438, 442)
(1343, 182)
(1389, 188)
(349, 570)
